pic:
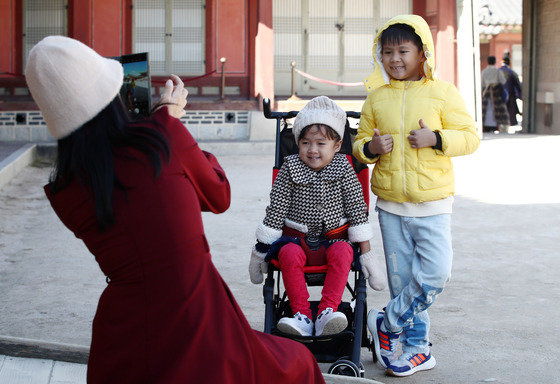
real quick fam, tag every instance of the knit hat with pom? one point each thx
(320, 110)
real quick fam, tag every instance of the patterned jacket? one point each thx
(316, 202)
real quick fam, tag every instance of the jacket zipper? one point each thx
(403, 138)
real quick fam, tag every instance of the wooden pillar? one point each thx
(11, 39)
(104, 25)
(127, 27)
(261, 51)
(107, 20)
(79, 21)
(441, 16)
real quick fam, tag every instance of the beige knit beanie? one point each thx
(70, 82)
(320, 110)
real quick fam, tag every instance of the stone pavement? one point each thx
(506, 227)
(19, 370)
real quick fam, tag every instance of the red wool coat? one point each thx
(166, 315)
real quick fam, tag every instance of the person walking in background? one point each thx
(134, 192)
(410, 127)
(512, 87)
(495, 116)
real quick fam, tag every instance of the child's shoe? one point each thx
(330, 322)
(409, 363)
(385, 341)
(299, 325)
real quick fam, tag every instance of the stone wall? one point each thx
(548, 67)
(29, 126)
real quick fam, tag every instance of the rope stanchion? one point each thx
(328, 81)
(187, 80)
(223, 80)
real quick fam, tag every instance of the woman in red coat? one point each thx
(133, 192)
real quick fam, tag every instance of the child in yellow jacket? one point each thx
(411, 124)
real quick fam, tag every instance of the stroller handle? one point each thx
(276, 115)
(288, 115)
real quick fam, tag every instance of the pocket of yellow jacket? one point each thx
(435, 178)
(381, 178)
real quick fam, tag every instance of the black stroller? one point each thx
(342, 349)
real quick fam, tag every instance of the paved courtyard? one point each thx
(496, 321)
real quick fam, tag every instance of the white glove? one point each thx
(374, 271)
(174, 96)
(257, 266)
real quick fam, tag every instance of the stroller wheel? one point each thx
(346, 368)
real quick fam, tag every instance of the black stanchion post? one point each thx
(293, 96)
(293, 79)
(223, 84)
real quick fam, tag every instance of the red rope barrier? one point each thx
(187, 80)
(328, 81)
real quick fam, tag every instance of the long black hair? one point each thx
(87, 153)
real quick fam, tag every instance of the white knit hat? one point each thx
(320, 110)
(70, 82)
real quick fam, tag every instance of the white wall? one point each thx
(468, 57)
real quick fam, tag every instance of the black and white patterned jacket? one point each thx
(316, 202)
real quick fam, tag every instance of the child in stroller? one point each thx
(316, 212)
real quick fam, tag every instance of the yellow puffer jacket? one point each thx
(394, 107)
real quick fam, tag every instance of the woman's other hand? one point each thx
(174, 96)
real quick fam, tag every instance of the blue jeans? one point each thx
(419, 255)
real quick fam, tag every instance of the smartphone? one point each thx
(136, 89)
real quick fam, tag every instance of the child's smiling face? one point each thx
(316, 149)
(403, 61)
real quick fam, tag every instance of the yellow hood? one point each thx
(379, 76)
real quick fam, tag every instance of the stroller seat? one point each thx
(342, 349)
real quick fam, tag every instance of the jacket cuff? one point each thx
(367, 152)
(359, 233)
(295, 225)
(267, 234)
(262, 247)
(439, 143)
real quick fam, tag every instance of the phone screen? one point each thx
(136, 89)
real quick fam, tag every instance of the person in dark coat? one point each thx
(495, 116)
(513, 90)
(134, 192)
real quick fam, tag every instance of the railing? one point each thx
(315, 78)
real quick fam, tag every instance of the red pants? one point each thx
(291, 259)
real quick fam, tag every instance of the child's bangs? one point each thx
(327, 131)
(397, 34)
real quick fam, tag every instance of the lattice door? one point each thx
(330, 39)
(172, 31)
(42, 18)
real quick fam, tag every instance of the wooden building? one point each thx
(329, 39)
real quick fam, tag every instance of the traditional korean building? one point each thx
(500, 25)
(258, 40)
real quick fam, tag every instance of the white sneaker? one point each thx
(299, 325)
(330, 322)
(410, 363)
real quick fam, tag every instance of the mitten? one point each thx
(374, 271)
(257, 266)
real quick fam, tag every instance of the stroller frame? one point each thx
(344, 348)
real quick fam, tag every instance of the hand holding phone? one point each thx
(174, 96)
